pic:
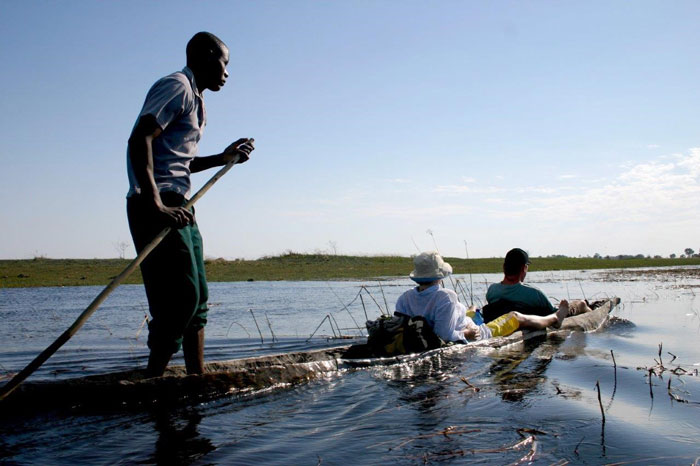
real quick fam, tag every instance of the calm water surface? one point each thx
(526, 403)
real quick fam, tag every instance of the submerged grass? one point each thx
(292, 266)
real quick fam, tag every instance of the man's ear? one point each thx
(523, 270)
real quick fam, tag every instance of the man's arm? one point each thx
(141, 156)
(241, 148)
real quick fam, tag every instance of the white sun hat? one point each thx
(428, 267)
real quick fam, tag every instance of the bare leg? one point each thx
(193, 347)
(540, 322)
(536, 322)
(157, 362)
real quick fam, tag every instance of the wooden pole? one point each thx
(10, 386)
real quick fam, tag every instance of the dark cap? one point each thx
(515, 259)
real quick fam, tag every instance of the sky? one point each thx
(381, 127)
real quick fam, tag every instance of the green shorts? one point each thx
(173, 275)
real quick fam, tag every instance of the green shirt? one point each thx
(519, 293)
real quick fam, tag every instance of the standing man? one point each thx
(161, 154)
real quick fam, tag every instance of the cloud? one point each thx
(639, 199)
(539, 189)
(666, 189)
(653, 146)
(459, 189)
(692, 162)
(411, 212)
(646, 192)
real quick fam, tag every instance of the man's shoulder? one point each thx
(532, 288)
(446, 293)
(499, 290)
(513, 286)
(494, 286)
(176, 82)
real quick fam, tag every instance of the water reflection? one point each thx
(179, 440)
(369, 415)
(515, 371)
(421, 383)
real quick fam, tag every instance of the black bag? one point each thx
(401, 334)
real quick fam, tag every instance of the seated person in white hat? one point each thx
(448, 317)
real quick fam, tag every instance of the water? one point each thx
(534, 402)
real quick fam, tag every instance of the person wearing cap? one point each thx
(448, 317)
(512, 294)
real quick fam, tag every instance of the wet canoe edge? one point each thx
(243, 376)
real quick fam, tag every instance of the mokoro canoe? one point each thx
(239, 376)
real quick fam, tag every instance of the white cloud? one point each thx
(539, 189)
(692, 162)
(646, 192)
(644, 207)
(459, 189)
(653, 146)
(412, 212)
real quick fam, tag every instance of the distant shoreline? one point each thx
(41, 272)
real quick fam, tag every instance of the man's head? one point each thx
(207, 57)
(515, 263)
(429, 267)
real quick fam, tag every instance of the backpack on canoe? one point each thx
(401, 334)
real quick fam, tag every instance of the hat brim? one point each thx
(416, 278)
(425, 280)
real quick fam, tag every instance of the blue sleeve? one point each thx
(446, 321)
(401, 305)
(166, 100)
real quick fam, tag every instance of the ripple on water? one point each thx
(476, 405)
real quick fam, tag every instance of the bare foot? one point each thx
(578, 307)
(561, 313)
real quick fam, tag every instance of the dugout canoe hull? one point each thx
(239, 376)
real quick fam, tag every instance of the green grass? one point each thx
(75, 272)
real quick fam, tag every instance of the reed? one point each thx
(262, 340)
(612, 396)
(269, 325)
(600, 402)
(345, 307)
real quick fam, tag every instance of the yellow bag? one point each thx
(504, 325)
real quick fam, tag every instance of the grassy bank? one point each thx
(72, 272)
